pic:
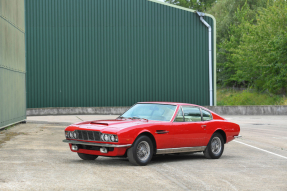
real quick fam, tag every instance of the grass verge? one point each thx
(229, 96)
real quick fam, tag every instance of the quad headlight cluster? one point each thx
(109, 138)
(104, 137)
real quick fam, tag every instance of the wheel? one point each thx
(87, 157)
(215, 147)
(141, 152)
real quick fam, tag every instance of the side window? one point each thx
(179, 116)
(206, 116)
(191, 114)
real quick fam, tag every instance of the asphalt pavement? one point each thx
(33, 157)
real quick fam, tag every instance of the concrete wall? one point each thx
(221, 110)
(250, 110)
(77, 111)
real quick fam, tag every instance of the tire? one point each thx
(215, 147)
(87, 157)
(141, 152)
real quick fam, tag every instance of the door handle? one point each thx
(203, 126)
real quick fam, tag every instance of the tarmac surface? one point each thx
(33, 157)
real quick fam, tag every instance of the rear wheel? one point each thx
(141, 152)
(87, 157)
(215, 147)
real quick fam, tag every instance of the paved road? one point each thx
(32, 157)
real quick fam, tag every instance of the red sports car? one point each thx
(153, 128)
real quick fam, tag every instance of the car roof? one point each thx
(179, 104)
(170, 103)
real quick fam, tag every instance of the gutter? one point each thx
(201, 15)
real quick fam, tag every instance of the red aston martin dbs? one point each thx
(153, 128)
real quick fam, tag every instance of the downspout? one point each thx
(201, 15)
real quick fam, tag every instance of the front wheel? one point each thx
(87, 157)
(141, 152)
(215, 147)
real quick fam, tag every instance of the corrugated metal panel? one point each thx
(12, 62)
(114, 53)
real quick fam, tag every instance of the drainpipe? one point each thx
(201, 15)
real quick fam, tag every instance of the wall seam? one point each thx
(6, 19)
(12, 69)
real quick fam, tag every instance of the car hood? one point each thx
(111, 125)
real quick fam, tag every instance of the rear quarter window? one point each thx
(206, 116)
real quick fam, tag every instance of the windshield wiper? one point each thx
(121, 117)
(138, 118)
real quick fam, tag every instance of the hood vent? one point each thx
(99, 123)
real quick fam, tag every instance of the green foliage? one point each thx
(228, 20)
(256, 54)
(247, 97)
(200, 5)
(225, 13)
(243, 19)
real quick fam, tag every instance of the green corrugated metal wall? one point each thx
(85, 53)
(12, 62)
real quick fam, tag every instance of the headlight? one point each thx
(106, 137)
(109, 138)
(71, 135)
(112, 137)
(75, 134)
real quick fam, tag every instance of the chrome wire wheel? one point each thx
(143, 151)
(216, 145)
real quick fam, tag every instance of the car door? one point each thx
(189, 129)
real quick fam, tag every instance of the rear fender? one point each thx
(221, 131)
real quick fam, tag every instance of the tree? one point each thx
(200, 5)
(257, 53)
(228, 20)
(224, 11)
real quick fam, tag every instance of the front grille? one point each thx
(89, 135)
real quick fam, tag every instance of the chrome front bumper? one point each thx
(238, 136)
(95, 144)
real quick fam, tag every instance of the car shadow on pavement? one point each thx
(122, 161)
(176, 157)
(103, 161)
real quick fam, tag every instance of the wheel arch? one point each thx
(149, 135)
(222, 133)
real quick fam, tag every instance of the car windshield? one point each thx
(157, 112)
